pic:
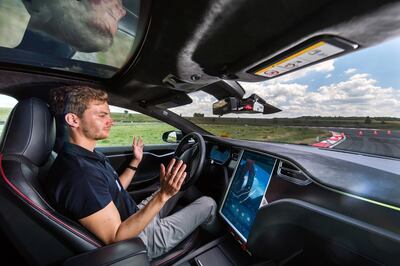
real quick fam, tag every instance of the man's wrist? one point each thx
(135, 163)
(134, 168)
(163, 197)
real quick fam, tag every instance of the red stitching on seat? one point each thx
(28, 200)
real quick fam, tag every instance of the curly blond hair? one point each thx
(74, 99)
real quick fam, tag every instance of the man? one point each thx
(83, 185)
(61, 27)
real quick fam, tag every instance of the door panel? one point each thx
(146, 179)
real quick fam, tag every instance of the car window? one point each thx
(129, 123)
(6, 105)
(350, 103)
(91, 37)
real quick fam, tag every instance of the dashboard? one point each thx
(299, 194)
(219, 154)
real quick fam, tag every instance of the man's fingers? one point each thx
(162, 171)
(174, 172)
(179, 176)
(177, 167)
(181, 170)
(170, 165)
(134, 141)
(181, 180)
(140, 142)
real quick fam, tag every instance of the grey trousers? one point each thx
(165, 232)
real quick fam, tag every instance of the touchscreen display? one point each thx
(246, 191)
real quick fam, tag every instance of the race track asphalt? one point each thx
(379, 142)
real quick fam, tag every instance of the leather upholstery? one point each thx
(44, 235)
(128, 252)
(30, 116)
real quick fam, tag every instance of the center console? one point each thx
(242, 201)
(220, 252)
(246, 193)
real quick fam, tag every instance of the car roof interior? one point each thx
(195, 44)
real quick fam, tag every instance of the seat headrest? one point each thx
(29, 131)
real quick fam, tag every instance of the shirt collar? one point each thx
(74, 149)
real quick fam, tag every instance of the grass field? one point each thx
(4, 113)
(268, 133)
(129, 125)
(151, 132)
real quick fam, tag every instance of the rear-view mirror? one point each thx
(252, 104)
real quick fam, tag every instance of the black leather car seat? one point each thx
(41, 234)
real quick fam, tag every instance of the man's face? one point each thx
(86, 25)
(96, 121)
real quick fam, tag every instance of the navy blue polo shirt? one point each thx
(81, 182)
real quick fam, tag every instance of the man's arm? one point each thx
(137, 147)
(106, 224)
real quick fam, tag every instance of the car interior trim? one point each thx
(145, 153)
(293, 159)
(292, 179)
(360, 198)
(349, 194)
(285, 215)
(324, 186)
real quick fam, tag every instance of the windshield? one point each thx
(349, 103)
(91, 37)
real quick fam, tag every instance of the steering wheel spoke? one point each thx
(191, 150)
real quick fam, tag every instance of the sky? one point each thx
(362, 83)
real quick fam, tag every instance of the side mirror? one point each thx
(173, 136)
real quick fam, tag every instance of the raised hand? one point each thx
(137, 149)
(172, 177)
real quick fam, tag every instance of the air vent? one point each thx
(292, 173)
(235, 156)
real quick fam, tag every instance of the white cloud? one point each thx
(359, 95)
(202, 103)
(328, 76)
(350, 71)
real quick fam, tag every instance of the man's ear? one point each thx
(72, 120)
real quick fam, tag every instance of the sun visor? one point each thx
(308, 53)
(224, 88)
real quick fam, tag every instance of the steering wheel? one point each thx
(192, 151)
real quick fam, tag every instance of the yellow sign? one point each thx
(311, 54)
